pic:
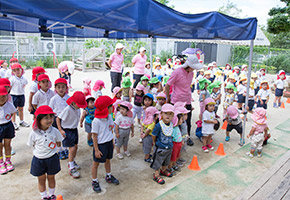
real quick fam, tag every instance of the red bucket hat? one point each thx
(37, 70)
(43, 77)
(60, 80)
(17, 66)
(5, 82)
(79, 99)
(3, 91)
(102, 104)
(45, 110)
(13, 59)
(1, 62)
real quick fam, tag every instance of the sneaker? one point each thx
(259, 155)
(210, 147)
(166, 173)
(180, 164)
(77, 166)
(205, 150)
(148, 160)
(96, 186)
(279, 105)
(227, 138)
(24, 124)
(127, 153)
(61, 155)
(176, 168)
(16, 127)
(242, 142)
(13, 152)
(112, 179)
(250, 155)
(3, 169)
(90, 142)
(172, 171)
(120, 156)
(275, 105)
(158, 180)
(52, 197)
(9, 166)
(74, 173)
(45, 198)
(140, 140)
(189, 142)
(66, 153)
(182, 160)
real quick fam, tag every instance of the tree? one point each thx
(280, 19)
(165, 2)
(230, 9)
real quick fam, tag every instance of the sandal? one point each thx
(166, 173)
(158, 179)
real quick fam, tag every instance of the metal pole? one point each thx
(151, 59)
(248, 86)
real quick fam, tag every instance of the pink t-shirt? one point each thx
(116, 62)
(180, 80)
(139, 66)
(124, 121)
(259, 128)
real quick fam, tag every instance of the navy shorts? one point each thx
(18, 100)
(251, 104)
(257, 90)
(279, 92)
(54, 122)
(49, 166)
(241, 98)
(71, 137)
(7, 131)
(264, 105)
(107, 150)
(238, 128)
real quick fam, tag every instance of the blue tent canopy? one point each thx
(119, 19)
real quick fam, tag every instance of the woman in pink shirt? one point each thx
(139, 62)
(115, 63)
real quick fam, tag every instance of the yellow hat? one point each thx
(218, 73)
(156, 64)
(232, 76)
(201, 70)
(207, 73)
(265, 81)
(254, 75)
(252, 82)
(243, 78)
(147, 63)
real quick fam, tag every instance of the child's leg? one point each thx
(208, 139)
(13, 117)
(228, 133)
(275, 100)
(108, 166)
(72, 153)
(51, 184)
(41, 183)
(117, 149)
(156, 174)
(204, 140)
(1, 153)
(7, 147)
(139, 121)
(279, 100)
(89, 136)
(20, 111)
(125, 148)
(95, 167)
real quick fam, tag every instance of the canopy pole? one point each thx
(151, 59)
(248, 86)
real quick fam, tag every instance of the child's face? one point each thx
(101, 87)
(215, 90)
(180, 121)
(46, 122)
(44, 85)
(110, 108)
(228, 67)
(145, 83)
(185, 117)
(282, 76)
(123, 111)
(119, 51)
(147, 66)
(61, 89)
(161, 101)
(158, 67)
(91, 103)
(207, 76)
(210, 107)
(148, 102)
(232, 80)
(255, 78)
(264, 86)
(138, 92)
(17, 72)
(156, 85)
(205, 86)
(230, 91)
(244, 82)
(262, 72)
(201, 73)
(4, 65)
(119, 94)
(3, 99)
(167, 116)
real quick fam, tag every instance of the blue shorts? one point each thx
(264, 105)
(279, 92)
(241, 98)
(18, 100)
(251, 104)
(49, 166)
(7, 131)
(257, 90)
(71, 137)
(107, 150)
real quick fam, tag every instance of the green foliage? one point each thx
(280, 61)
(165, 2)
(164, 55)
(230, 9)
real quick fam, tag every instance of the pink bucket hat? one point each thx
(141, 87)
(129, 106)
(209, 101)
(115, 105)
(179, 104)
(98, 84)
(259, 116)
(149, 113)
(167, 108)
(161, 95)
(116, 90)
(232, 111)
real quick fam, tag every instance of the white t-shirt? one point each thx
(251, 93)
(147, 71)
(157, 72)
(3, 72)
(34, 87)
(41, 98)
(241, 89)
(44, 142)
(154, 92)
(207, 128)
(8, 73)
(263, 94)
(280, 84)
(58, 103)
(124, 121)
(6, 112)
(70, 117)
(18, 85)
(97, 94)
(103, 127)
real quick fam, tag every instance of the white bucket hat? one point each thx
(192, 62)
(142, 49)
(119, 46)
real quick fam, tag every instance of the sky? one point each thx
(250, 8)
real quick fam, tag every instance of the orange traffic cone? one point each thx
(220, 151)
(282, 105)
(59, 197)
(194, 164)
(288, 100)
(224, 127)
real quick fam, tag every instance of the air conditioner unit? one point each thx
(48, 46)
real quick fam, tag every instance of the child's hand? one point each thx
(117, 135)
(62, 133)
(261, 102)
(132, 134)
(98, 154)
(30, 109)
(142, 135)
(81, 125)
(248, 136)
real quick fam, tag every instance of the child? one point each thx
(88, 114)
(102, 127)
(36, 71)
(148, 125)
(244, 70)
(263, 74)
(207, 75)
(236, 73)
(234, 122)
(216, 95)
(157, 69)
(126, 88)
(161, 100)
(6, 83)
(117, 93)
(254, 77)
(58, 104)
(204, 94)
(137, 107)
(124, 123)
(155, 87)
(67, 122)
(263, 95)
(147, 101)
(87, 87)
(251, 100)
(3, 69)
(279, 87)
(97, 89)
(258, 132)
(44, 139)
(18, 83)
(144, 82)
(242, 89)
(162, 140)
(208, 122)
(7, 132)
(199, 77)
(44, 93)
(12, 61)
(227, 71)
(147, 68)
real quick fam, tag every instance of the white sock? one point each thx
(109, 175)
(96, 180)
(71, 165)
(51, 191)
(21, 121)
(43, 194)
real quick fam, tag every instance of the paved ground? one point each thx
(220, 177)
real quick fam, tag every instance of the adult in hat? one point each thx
(180, 80)
(139, 62)
(116, 65)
